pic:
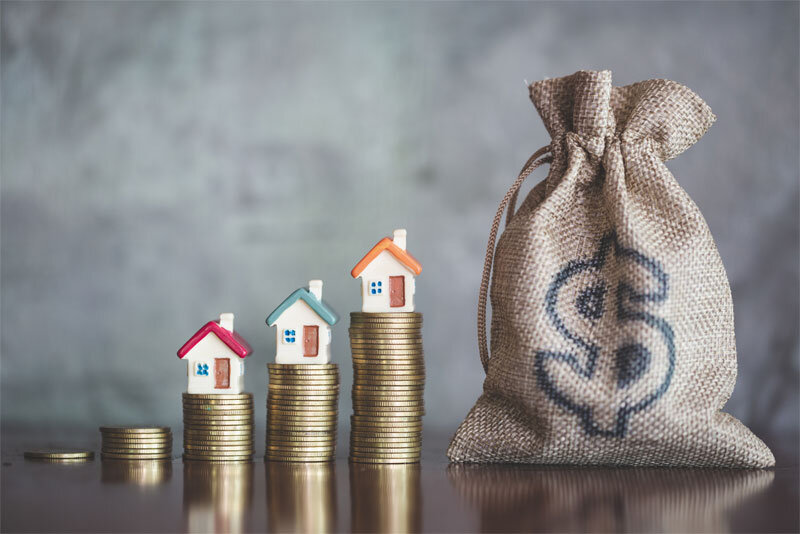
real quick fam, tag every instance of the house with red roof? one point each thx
(215, 358)
(387, 276)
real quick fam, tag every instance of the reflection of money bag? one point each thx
(612, 321)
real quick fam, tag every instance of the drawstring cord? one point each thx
(509, 200)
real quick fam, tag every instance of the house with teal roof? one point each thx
(303, 324)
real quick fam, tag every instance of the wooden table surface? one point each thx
(433, 496)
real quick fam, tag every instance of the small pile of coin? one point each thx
(218, 427)
(388, 386)
(136, 443)
(302, 412)
(59, 455)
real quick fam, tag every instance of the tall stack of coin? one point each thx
(388, 385)
(302, 411)
(136, 442)
(218, 427)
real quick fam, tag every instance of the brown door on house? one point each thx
(310, 341)
(222, 373)
(397, 291)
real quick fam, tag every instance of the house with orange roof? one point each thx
(387, 276)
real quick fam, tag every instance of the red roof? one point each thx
(234, 341)
(387, 244)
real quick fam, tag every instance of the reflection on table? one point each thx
(518, 498)
(301, 497)
(142, 473)
(217, 496)
(385, 498)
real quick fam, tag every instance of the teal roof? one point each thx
(319, 307)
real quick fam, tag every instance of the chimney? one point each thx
(226, 321)
(400, 238)
(315, 286)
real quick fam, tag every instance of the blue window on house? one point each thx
(201, 369)
(375, 288)
(289, 336)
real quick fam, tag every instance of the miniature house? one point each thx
(215, 358)
(387, 276)
(304, 326)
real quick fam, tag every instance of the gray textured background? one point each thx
(165, 162)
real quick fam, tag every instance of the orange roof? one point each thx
(387, 244)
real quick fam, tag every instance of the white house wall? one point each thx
(294, 318)
(209, 348)
(380, 269)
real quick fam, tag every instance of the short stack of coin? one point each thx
(136, 443)
(388, 386)
(218, 427)
(302, 412)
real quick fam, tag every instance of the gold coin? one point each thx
(217, 413)
(303, 389)
(368, 437)
(378, 385)
(299, 459)
(218, 403)
(374, 335)
(274, 447)
(135, 429)
(303, 398)
(391, 346)
(58, 454)
(331, 445)
(382, 443)
(386, 362)
(391, 367)
(302, 435)
(359, 460)
(218, 416)
(217, 396)
(369, 389)
(298, 401)
(405, 423)
(218, 458)
(219, 453)
(302, 410)
(387, 328)
(274, 427)
(302, 366)
(299, 456)
(166, 439)
(333, 385)
(136, 456)
(383, 453)
(124, 445)
(204, 447)
(218, 407)
(219, 427)
(216, 433)
(147, 452)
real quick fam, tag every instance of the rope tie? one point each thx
(509, 200)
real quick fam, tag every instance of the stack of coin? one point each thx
(302, 410)
(218, 427)
(136, 442)
(388, 385)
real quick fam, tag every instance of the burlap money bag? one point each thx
(612, 339)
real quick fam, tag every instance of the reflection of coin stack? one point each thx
(218, 427)
(136, 443)
(217, 496)
(137, 472)
(388, 384)
(302, 411)
(385, 498)
(301, 497)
